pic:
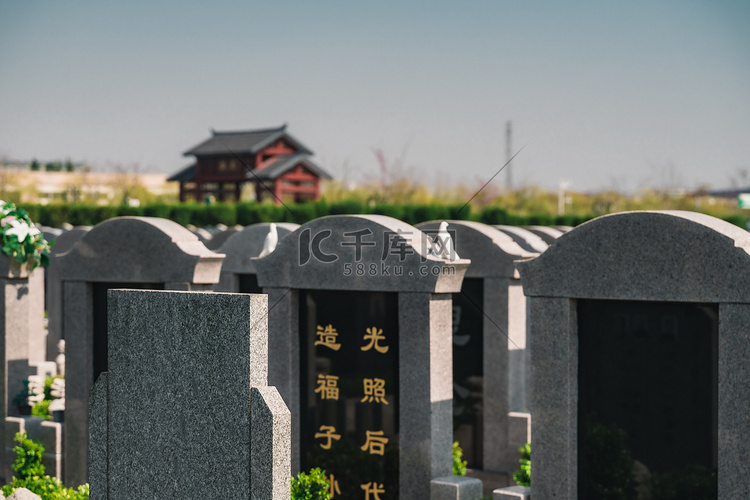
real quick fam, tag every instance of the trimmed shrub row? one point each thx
(251, 213)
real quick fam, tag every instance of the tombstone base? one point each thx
(512, 493)
(455, 488)
(491, 480)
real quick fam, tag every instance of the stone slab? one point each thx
(512, 493)
(620, 256)
(455, 488)
(181, 366)
(270, 436)
(323, 255)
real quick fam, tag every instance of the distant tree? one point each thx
(69, 167)
(35, 165)
(53, 166)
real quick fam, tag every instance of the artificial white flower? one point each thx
(20, 229)
(2, 207)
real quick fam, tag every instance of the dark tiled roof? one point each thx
(187, 174)
(244, 142)
(285, 163)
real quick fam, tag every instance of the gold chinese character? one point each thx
(328, 387)
(334, 486)
(375, 335)
(373, 488)
(327, 432)
(374, 391)
(375, 443)
(327, 337)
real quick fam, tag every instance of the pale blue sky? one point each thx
(604, 94)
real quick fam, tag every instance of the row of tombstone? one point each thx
(122, 253)
(383, 395)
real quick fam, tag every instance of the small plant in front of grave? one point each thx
(312, 486)
(459, 466)
(21, 240)
(30, 474)
(522, 476)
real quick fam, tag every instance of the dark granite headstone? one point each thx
(126, 252)
(468, 369)
(647, 392)
(639, 348)
(350, 389)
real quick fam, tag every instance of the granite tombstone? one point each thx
(184, 410)
(238, 270)
(489, 355)
(638, 333)
(53, 288)
(132, 252)
(360, 335)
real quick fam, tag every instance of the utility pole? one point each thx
(509, 154)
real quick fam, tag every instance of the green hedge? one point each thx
(251, 213)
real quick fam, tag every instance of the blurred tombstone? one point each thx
(638, 336)
(490, 364)
(124, 252)
(212, 428)
(360, 335)
(238, 272)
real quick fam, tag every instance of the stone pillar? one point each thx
(426, 419)
(283, 353)
(553, 333)
(79, 362)
(734, 401)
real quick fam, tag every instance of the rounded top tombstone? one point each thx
(649, 255)
(526, 239)
(548, 234)
(359, 252)
(140, 249)
(243, 245)
(67, 239)
(491, 251)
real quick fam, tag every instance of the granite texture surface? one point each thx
(553, 342)
(512, 493)
(98, 438)
(734, 401)
(492, 252)
(181, 366)
(246, 244)
(359, 252)
(531, 242)
(426, 385)
(455, 488)
(53, 290)
(283, 355)
(666, 256)
(121, 250)
(495, 356)
(79, 353)
(270, 442)
(637, 256)
(140, 249)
